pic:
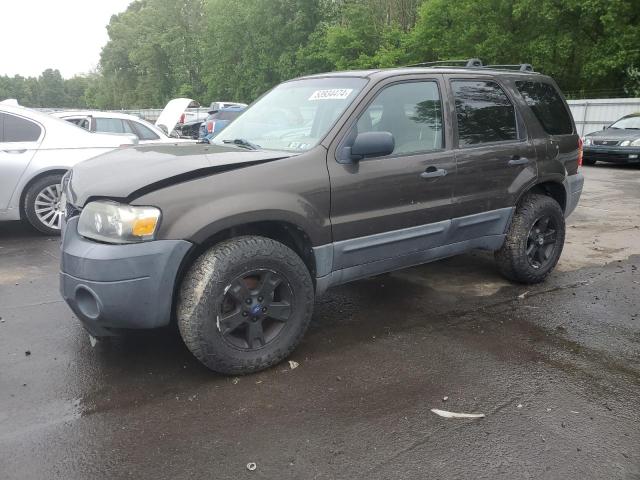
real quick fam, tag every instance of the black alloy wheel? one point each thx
(541, 242)
(255, 309)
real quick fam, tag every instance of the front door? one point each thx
(398, 204)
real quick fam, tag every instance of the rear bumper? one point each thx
(612, 154)
(119, 286)
(573, 188)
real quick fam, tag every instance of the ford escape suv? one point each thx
(325, 179)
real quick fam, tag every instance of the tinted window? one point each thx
(484, 113)
(224, 115)
(17, 129)
(144, 132)
(110, 125)
(547, 105)
(412, 112)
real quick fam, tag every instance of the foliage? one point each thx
(236, 50)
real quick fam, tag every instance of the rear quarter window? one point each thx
(548, 107)
(17, 129)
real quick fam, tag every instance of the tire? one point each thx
(588, 162)
(523, 241)
(42, 204)
(215, 321)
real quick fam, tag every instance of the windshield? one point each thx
(294, 116)
(628, 122)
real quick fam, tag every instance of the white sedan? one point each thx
(36, 150)
(114, 122)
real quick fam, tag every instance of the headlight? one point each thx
(586, 141)
(625, 143)
(636, 143)
(118, 223)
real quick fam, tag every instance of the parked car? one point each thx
(36, 149)
(218, 120)
(114, 122)
(326, 179)
(617, 143)
(190, 123)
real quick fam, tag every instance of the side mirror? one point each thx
(604, 128)
(372, 144)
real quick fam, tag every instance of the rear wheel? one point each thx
(42, 206)
(534, 240)
(245, 304)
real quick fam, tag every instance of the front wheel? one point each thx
(42, 206)
(245, 304)
(534, 240)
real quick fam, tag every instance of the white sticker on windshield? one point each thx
(331, 94)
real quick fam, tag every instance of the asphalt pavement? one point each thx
(555, 369)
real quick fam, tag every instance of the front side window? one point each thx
(411, 112)
(484, 112)
(109, 125)
(294, 116)
(18, 129)
(548, 107)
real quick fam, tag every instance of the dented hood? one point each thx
(129, 173)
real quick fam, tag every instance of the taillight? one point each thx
(210, 126)
(181, 118)
(579, 151)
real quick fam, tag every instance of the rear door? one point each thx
(390, 206)
(494, 155)
(19, 140)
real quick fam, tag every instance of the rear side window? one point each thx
(484, 112)
(144, 132)
(548, 107)
(17, 129)
(109, 125)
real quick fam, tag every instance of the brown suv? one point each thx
(325, 179)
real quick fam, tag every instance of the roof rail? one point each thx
(473, 63)
(469, 63)
(523, 67)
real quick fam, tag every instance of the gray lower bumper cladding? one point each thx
(119, 286)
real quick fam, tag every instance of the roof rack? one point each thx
(523, 67)
(473, 63)
(469, 63)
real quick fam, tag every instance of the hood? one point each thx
(617, 134)
(170, 115)
(129, 173)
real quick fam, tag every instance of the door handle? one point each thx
(15, 151)
(433, 172)
(517, 160)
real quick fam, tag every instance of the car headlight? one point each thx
(586, 141)
(636, 143)
(112, 222)
(625, 143)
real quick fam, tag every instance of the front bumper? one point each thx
(119, 286)
(573, 188)
(612, 154)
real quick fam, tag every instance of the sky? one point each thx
(63, 34)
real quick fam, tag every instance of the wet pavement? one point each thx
(555, 368)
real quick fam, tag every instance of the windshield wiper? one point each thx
(241, 142)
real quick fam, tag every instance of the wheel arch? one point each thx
(33, 180)
(550, 188)
(285, 232)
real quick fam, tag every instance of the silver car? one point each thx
(36, 150)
